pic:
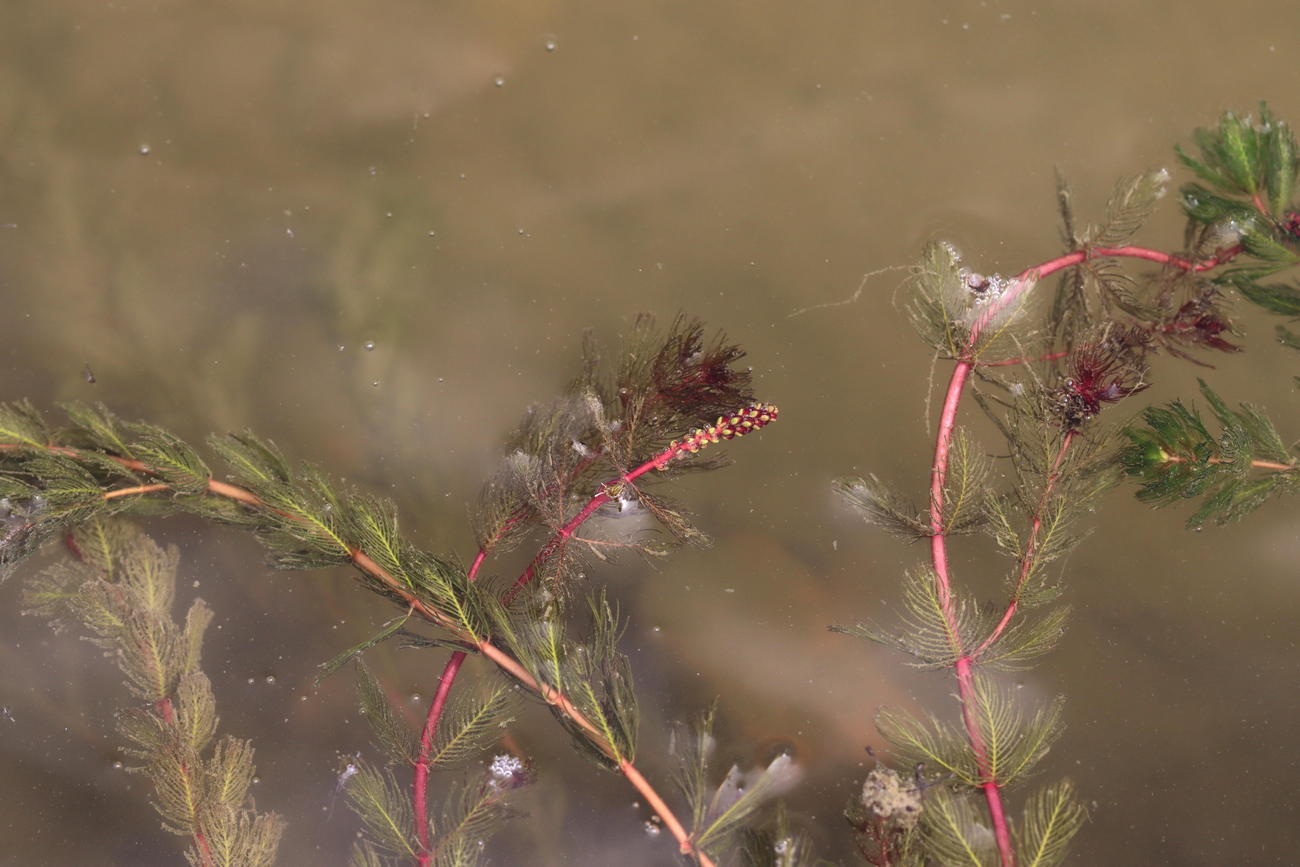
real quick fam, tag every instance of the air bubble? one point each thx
(145, 150)
(369, 345)
(499, 81)
(551, 45)
(270, 680)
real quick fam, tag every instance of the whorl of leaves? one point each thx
(924, 631)
(1251, 166)
(1177, 458)
(1013, 741)
(1052, 816)
(594, 674)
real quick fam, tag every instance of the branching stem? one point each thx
(602, 496)
(362, 561)
(1031, 547)
(963, 668)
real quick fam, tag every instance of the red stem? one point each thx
(450, 671)
(420, 785)
(938, 476)
(602, 496)
(1031, 548)
(420, 781)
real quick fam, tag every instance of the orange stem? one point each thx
(503, 660)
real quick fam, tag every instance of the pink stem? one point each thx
(938, 476)
(737, 426)
(1008, 362)
(420, 782)
(1031, 549)
(420, 785)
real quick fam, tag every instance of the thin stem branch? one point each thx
(607, 492)
(138, 489)
(1031, 547)
(420, 783)
(1259, 465)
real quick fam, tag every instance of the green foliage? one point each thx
(388, 826)
(778, 845)
(1251, 166)
(594, 674)
(931, 743)
(1052, 817)
(391, 732)
(1245, 157)
(668, 384)
(121, 593)
(1025, 640)
(470, 722)
(719, 815)
(924, 630)
(1178, 458)
(967, 315)
(953, 834)
(388, 630)
(881, 506)
(1131, 204)
(1013, 742)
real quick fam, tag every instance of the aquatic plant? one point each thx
(1046, 366)
(1043, 371)
(619, 432)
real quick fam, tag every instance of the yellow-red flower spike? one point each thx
(738, 424)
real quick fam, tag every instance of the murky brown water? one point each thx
(214, 206)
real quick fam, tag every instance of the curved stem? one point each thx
(963, 667)
(420, 783)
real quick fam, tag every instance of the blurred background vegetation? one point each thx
(213, 209)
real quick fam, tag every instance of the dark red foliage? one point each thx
(698, 380)
(1292, 224)
(1199, 321)
(1102, 373)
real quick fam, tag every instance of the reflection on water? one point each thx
(375, 232)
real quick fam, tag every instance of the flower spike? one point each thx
(727, 427)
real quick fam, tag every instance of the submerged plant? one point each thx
(619, 431)
(1044, 373)
(119, 590)
(1047, 371)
